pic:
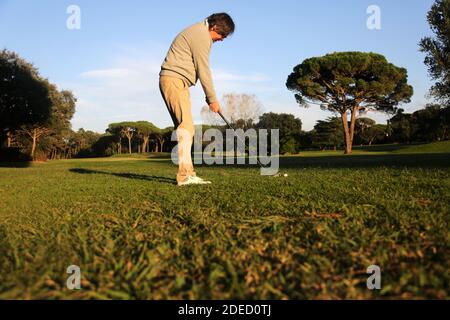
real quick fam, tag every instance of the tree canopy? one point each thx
(350, 83)
(437, 49)
(24, 95)
(290, 128)
(328, 133)
(31, 107)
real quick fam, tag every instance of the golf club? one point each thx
(243, 142)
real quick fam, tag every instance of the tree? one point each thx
(118, 132)
(431, 123)
(349, 83)
(167, 136)
(445, 120)
(61, 111)
(35, 132)
(104, 146)
(145, 130)
(160, 136)
(290, 129)
(362, 125)
(377, 132)
(305, 139)
(82, 143)
(129, 132)
(328, 133)
(30, 106)
(400, 127)
(438, 49)
(24, 95)
(242, 110)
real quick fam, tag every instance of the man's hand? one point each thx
(214, 107)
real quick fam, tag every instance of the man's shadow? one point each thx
(125, 175)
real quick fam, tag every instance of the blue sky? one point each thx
(112, 63)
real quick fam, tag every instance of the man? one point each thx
(185, 63)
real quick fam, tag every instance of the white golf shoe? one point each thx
(193, 180)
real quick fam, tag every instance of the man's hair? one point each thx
(223, 23)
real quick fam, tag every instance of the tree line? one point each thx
(35, 120)
(35, 115)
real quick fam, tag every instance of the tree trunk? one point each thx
(145, 146)
(161, 143)
(33, 147)
(352, 125)
(444, 134)
(129, 135)
(9, 139)
(348, 141)
(349, 133)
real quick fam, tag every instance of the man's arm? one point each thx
(200, 53)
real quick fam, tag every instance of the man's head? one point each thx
(220, 26)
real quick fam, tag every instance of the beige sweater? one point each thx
(188, 58)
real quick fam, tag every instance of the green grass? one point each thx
(386, 149)
(135, 235)
(436, 147)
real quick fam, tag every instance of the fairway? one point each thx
(136, 235)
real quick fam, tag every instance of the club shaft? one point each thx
(234, 131)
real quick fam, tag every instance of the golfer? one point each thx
(185, 63)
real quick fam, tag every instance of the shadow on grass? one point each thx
(147, 155)
(15, 164)
(14, 158)
(125, 175)
(419, 160)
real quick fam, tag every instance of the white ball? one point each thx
(285, 174)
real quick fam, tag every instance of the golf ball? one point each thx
(285, 174)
